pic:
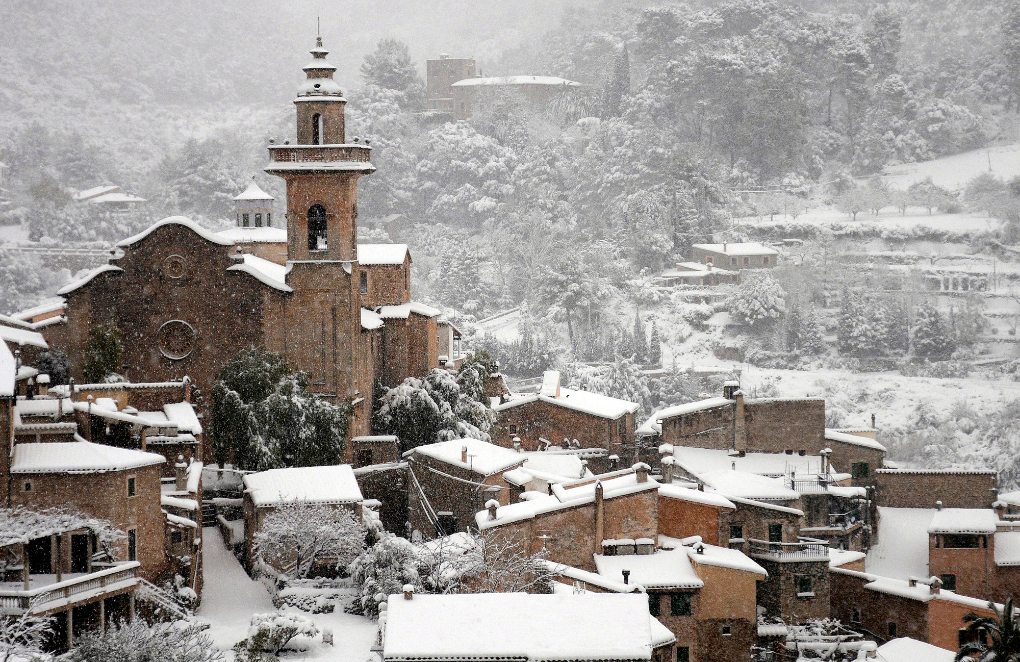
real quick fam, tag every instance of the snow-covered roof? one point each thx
(178, 502)
(583, 401)
(519, 626)
(665, 569)
(84, 280)
(1007, 548)
(19, 336)
(181, 521)
(738, 249)
(855, 439)
(723, 557)
(78, 457)
(696, 496)
(563, 465)
(840, 557)
(695, 270)
(376, 439)
(747, 485)
(116, 196)
(183, 414)
(370, 254)
(902, 548)
(483, 458)
(1010, 498)
(269, 273)
(50, 306)
(254, 192)
(963, 520)
(8, 371)
(318, 485)
(942, 472)
(906, 649)
(688, 408)
(176, 220)
(404, 310)
(263, 235)
(551, 81)
(370, 320)
(93, 192)
(698, 460)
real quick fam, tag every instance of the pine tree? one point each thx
(811, 338)
(655, 347)
(640, 340)
(932, 337)
(103, 352)
(619, 85)
(794, 329)
(1011, 50)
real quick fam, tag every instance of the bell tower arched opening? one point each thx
(317, 228)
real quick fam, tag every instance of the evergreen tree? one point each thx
(640, 340)
(103, 352)
(932, 337)
(759, 301)
(619, 84)
(1011, 50)
(55, 364)
(655, 347)
(390, 67)
(811, 337)
(857, 335)
(794, 329)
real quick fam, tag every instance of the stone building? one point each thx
(476, 95)
(735, 256)
(921, 488)
(700, 274)
(440, 75)
(558, 416)
(187, 300)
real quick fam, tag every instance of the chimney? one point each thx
(934, 586)
(493, 507)
(912, 582)
(641, 471)
(517, 444)
(408, 591)
(626, 576)
(667, 469)
(872, 421)
(729, 388)
(724, 247)
(700, 549)
(600, 515)
(938, 505)
(180, 474)
(739, 427)
(43, 384)
(463, 454)
(709, 265)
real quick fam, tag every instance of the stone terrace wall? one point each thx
(921, 489)
(775, 426)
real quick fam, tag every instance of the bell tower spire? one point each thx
(321, 170)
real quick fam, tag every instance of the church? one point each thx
(187, 300)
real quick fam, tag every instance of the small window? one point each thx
(775, 532)
(258, 220)
(892, 629)
(804, 585)
(653, 604)
(765, 261)
(175, 536)
(860, 470)
(363, 284)
(132, 545)
(747, 261)
(269, 219)
(855, 616)
(948, 582)
(727, 630)
(28, 486)
(680, 604)
(733, 261)
(513, 429)
(961, 541)
(131, 486)
(244, 220)
(683, 654)
(316, 129)
(736, 532)
(317, 228)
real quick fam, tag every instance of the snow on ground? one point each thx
(955, 171)
(902, 549)
(230, 597)
(13, 234)
(888, 219)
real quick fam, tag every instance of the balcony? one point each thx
(44, 594)
(324, 157)
(804, 550)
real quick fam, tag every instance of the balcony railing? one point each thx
(325, 153)
(806, 549)
(68, 592)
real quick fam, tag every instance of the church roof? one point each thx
(370, 254)
(253, 192)
(270, 273)
(404, 310)
(87, 278)
(177, 220)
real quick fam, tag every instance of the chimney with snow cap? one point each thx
(626, 576)
(463, 454)
(180, 474)
(934, 586)
(493, 507)
(408, 591)
(938, 505)
(667, 469)
(641, 471)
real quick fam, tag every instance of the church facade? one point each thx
(186, 300)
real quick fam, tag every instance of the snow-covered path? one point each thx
(229, 597)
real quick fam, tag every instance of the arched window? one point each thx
(317, 228)
(316, 129)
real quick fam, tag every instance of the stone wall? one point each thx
(775, 426)
(541, 419)
(877, 610)
(389, 484)
(454, 490)
(921, 489)
(388, 284)
(778, 593)
(680, 519)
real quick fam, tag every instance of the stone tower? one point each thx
(323, 316)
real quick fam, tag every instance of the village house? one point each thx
(108, 198)
(266, 491)
(558, 416)
(440, 75)
(735, 256)
(522, 626)
(700, 274)
(475, 95)
(336, 310)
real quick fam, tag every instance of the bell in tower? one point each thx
(321, 170)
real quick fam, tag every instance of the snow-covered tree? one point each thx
(621, 379)
(932, 338)
(22, 637)
(930, 195)
(385, 568)
(263, 416)
(484, 563)
(424, 411)
(640, 340)
(21, 525)
(759, 301)
(811, 330)
(856, 333)
(309, 534)
(655, 347)
(139, 642)
(268, 634)
(55, 364)
(390, 67)
(103, 352)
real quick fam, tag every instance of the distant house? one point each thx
(440, 75)
(735, 256)
(108, 198)
(524, 627)
(558, 416)
(474, 95)
(449, 337)
(697, 273)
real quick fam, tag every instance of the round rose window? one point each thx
(176, 339)
(175, 266)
